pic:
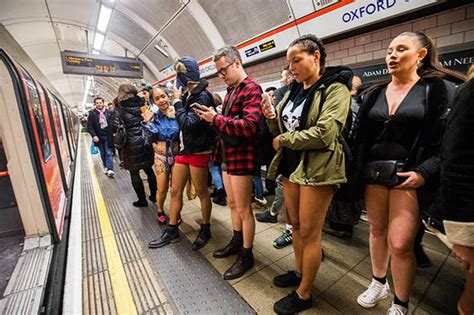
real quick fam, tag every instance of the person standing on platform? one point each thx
(306, 125)
(193, 160)
(99, 126)
(136, 154)
(161, 129)
(401, 123)
(237, 150)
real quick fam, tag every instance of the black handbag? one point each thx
(120, 136)
(384, 172)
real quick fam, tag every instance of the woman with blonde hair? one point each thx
(401, 124)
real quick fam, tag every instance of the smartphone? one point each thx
(198, 106)
(266, 98)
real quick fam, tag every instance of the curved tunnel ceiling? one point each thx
(48, 27)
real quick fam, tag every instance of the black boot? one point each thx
(170, 235)
(213, 193)
(219, 197)
(140, 203)
(203, 237)
(234, 246)
(243, 263)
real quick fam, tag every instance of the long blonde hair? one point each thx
(126, 91)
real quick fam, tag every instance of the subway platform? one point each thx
(120, 275)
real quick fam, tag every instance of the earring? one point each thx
(419, 63)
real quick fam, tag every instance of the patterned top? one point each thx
(240, 120)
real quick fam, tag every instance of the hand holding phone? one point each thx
(267, 108)
(198, 106)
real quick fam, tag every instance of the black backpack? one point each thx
(344, 210)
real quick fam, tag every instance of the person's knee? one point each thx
(202, 192)
(175, 193)
(378, 230)
(309, 233)
(400, 247)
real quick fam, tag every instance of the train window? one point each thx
(36, 109)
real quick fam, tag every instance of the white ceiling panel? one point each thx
(30, 33)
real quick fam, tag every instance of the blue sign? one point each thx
(252, 51)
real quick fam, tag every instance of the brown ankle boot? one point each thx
(243, 263)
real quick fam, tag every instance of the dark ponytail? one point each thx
(310, 43)
(430, 66)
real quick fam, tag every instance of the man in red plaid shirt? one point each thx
(237, 150)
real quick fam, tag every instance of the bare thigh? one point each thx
(377, 205)
(291, 192)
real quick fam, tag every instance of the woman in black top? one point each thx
(400, 129)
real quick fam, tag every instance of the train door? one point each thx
(47, 156)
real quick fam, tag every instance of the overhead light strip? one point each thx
(104, 18)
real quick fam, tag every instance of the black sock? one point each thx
(381, 280)
(205, 227)
(173, 227)
(397, 301)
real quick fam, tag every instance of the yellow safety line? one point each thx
(122, 293)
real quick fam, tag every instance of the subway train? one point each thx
(38, 145)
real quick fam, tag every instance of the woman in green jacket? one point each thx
(307, 123)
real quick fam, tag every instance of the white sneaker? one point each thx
(374, 294)
(110, 173)
(105, 170)
(396, 309)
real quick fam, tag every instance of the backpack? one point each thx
(342, 209)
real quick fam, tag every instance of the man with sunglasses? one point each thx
(236, 149)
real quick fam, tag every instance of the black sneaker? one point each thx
(289, 279)
(266, 217)
(292, 304)
(140, 203)
(169, 236)
(285, 239)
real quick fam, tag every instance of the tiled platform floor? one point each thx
(342, 276)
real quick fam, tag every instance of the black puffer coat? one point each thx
(136, 155)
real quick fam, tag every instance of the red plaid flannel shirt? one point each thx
(242, 121)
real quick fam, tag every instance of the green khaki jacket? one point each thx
(322, 156)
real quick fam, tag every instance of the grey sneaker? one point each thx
(375, 293)
(285, 239)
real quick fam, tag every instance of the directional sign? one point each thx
(86, 64)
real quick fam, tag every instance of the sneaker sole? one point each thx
(280, 247)
(366, 305)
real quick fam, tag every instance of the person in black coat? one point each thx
(136, 155)
(99, 126)
(455, 203)
(193, 160)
